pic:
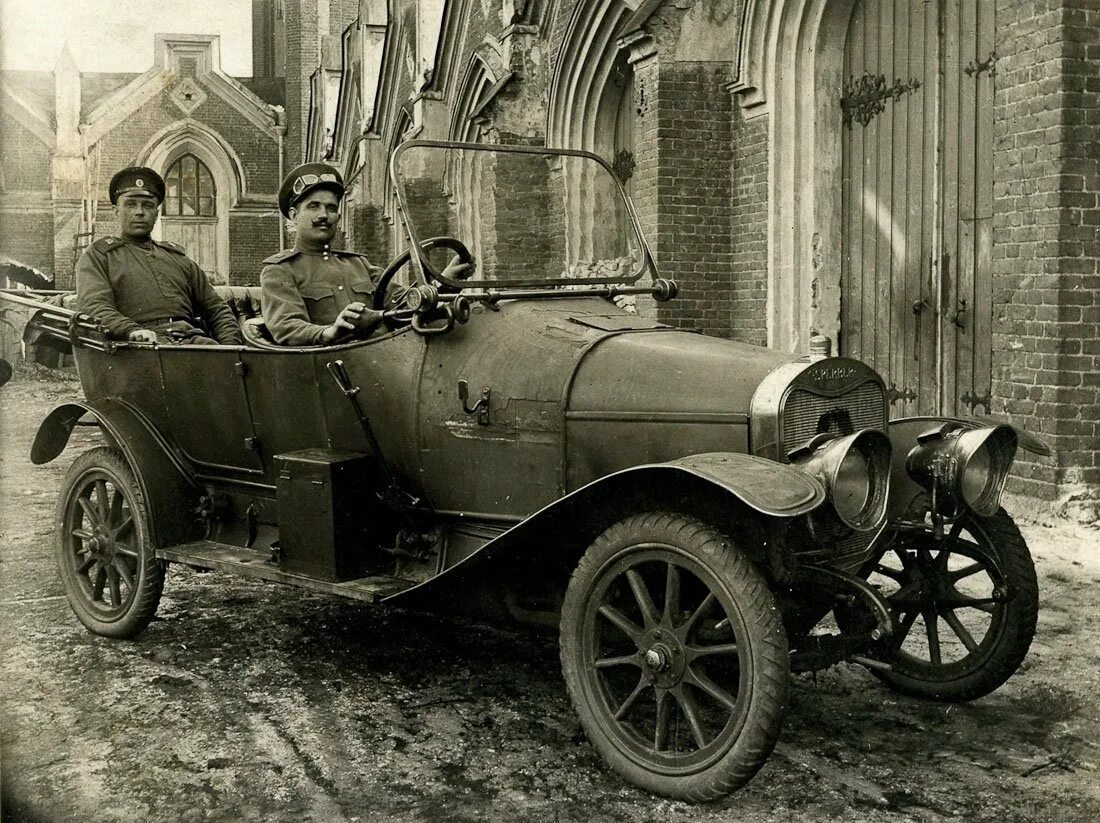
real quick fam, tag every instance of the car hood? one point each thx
(667, 371)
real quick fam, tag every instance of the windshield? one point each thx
(529, 216)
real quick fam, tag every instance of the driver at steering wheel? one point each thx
(314, 294)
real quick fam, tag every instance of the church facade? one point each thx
(917, 182)
(217, 143)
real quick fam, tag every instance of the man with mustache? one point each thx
(145, 290)
(314, 294)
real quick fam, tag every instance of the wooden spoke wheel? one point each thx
(108, 567)
(967, 608)
(674, 656)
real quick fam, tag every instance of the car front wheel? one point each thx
(966, 606)
(108, 567)
(674, 656)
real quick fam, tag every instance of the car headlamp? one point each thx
(968, 466)
(855, 471)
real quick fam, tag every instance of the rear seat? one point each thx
(244, 302)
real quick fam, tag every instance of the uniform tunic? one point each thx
(127, 286)
(305, 291)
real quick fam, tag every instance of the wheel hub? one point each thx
(101, 544)
(658, 658)
(663, 658)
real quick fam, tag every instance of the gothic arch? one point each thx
(463, 174)
(584, 111)
(401, 128)
(579, 107)
(789, 67)
(479, 84)
(188, 137)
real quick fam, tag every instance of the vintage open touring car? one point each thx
(690, 512)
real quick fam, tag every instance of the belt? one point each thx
(159, 320)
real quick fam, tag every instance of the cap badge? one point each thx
(139, 183)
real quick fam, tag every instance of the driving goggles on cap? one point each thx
(312, 179)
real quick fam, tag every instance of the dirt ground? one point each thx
(248, 701)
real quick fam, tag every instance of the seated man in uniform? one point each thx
(145, 290)
(314, 294)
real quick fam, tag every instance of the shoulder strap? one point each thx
(107, 244)
(279, 257)
(170, 247)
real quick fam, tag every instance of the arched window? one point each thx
(190, 189)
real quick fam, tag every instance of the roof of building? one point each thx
(36, 88)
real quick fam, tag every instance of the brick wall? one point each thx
(646, 163)
(369, 234)
(1046, 321)
(263, 33)
(252, 238)
(24, 158)
(519, 202)
(749, 219)
(1046, 245)
(26, 219)
(27, 236)
(694, 203)
(302, 57)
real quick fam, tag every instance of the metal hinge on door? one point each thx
(906, 394)
(973, 69)
(972, 399)
(866, 96)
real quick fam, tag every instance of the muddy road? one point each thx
(248, 701)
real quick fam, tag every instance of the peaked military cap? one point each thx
(304, 179)
(136, 178)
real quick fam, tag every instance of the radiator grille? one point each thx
(806, 414)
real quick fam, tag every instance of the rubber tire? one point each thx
(769, 656)
(1009, 648)
(150, 573)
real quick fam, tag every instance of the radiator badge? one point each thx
(830, 376)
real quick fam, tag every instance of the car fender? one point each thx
(903, 434)
(168, 487)
(727, 480)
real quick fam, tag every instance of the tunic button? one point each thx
(339, 288)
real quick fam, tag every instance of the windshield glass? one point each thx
(529, 216)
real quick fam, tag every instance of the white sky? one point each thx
(117, 36)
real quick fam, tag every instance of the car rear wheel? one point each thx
(674, 656)
(967, 608)
(110, 572)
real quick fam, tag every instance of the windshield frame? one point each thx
(426, 272)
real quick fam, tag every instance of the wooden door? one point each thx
(917, 199)
(198, 236)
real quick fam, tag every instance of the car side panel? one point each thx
(207, 409)
(387, 371)
(510, 461)
(194, 395)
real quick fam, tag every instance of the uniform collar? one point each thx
(315, 250)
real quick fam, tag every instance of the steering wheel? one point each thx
(386, 299)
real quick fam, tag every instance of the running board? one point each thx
(224, 557)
